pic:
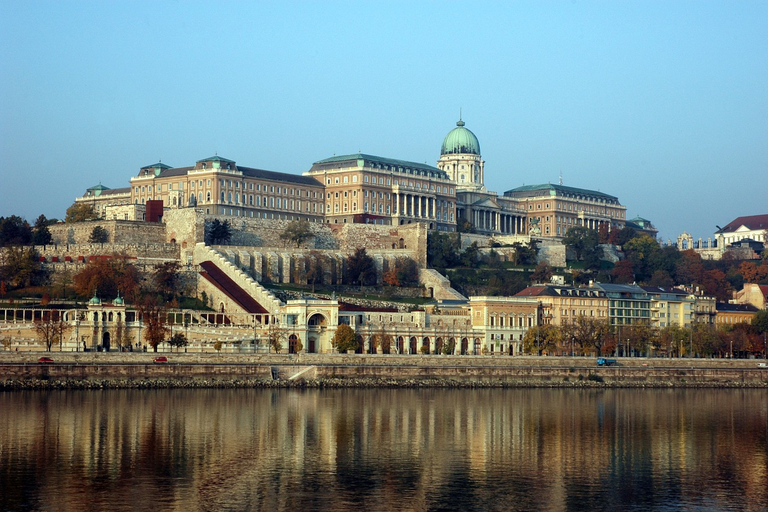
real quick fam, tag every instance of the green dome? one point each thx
(460, 140)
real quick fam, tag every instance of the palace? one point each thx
(368, 189)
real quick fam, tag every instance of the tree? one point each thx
(219, 233)
(20, 267)
(154, 317)
(623, 272)
(276, 337)
(525, 254)
(316, 263)
(590, 333)
(107, 276)
(361, 268)
(166, 279)
(41, 235)
(404, 272)
(582, 240)
(14, 231)
(540, 339)
(543, 273)
(50, 327)
(99, 235)
(345, 339)
(178, 340)
(80, 212)
(297, 232)
(760, 321)
(443, 250)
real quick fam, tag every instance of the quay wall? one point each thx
(201, 370)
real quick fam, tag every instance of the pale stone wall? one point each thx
(185, 227)
(552, 253)
(143, 253)
(120, 232)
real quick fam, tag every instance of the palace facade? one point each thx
(361, 188)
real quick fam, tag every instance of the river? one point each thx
(382, 450)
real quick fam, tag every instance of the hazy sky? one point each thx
(663, 104)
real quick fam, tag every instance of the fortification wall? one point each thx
(81, 253)
(119, 232)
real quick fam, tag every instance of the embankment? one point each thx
(96, 371)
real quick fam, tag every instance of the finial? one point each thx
(561, 177)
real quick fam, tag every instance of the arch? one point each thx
(425, 345)
(477, 347)
(413, 345)
(439, 346)
(105, 341)
(317, 320)
(372, 345)
(401, 243)
(464, 346)
(400, 347)
(293, 341)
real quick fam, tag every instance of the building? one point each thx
(628, 304)
(730, 314)
(563, 305)
(754, 227)
(755, 294)
(670, 307)
(100, 198)
(643, 226)
(368, 189)
(220, 187)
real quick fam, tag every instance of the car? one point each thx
(161, 359)
(45, 360)
(762, 365)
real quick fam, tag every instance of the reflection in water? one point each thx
(384, 450)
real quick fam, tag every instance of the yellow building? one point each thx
(564, 304)
(370, 189)
(220, 187)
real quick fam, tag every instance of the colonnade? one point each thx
(419, 206)
(496, 221)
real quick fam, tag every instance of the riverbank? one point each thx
(137, 370)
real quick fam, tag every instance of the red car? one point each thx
(45, 360)
(161, 359)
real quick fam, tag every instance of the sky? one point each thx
(662, 104)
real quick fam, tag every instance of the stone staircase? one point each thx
(263, 296)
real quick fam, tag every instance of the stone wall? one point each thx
(120, 232)
(185, 227)
(553, 253)
(80, 253)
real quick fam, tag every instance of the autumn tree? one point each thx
(107, 276)
(544, 338)
(542, 273)
(165, 278)
(50, 328)
(277, 337)
(154, 317)
(404, 272)
(590, 333)
(80, 212)
(297, 232)
(345, 339)
(20, 267)
(623, 272)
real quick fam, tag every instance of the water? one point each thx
(381, 450)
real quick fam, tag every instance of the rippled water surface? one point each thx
(345, 450)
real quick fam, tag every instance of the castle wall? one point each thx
(120, 232)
